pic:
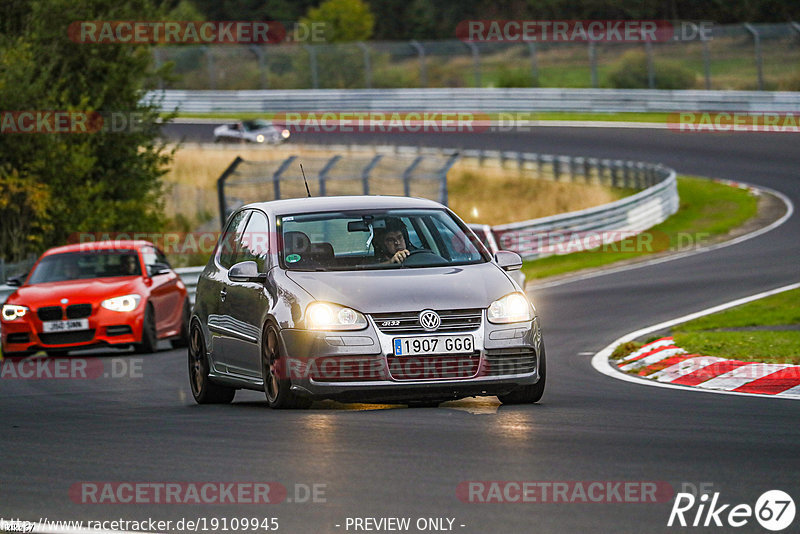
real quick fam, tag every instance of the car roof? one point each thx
(342, 203)
(89, 246)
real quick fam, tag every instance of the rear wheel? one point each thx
(277, 386)
(532, 393)
(149, 340)
(203, 389)
(183, 340)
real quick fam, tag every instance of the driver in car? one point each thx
(391, 243)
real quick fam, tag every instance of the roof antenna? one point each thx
(304, 180)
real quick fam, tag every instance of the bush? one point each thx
(515, 78)
(630, 72)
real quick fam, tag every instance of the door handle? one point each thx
(222, 294)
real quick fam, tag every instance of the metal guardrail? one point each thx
(657, 200)
(478, 100)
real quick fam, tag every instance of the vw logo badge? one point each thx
(64, 301)
(429, 320)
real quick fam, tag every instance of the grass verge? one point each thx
(707, 210)
(766, 330)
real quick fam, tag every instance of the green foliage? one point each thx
(630, 72)
(515, 78)
(102, 181)
(344, 20)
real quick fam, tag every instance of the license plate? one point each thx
(415, 346)
(65, 326)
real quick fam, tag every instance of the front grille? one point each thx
(64, 338)
(79, 311)
(18, 338)
(118, 330)
(500, 362)
(408, 322)
(50, 313)
(434, 367)
(344, 368)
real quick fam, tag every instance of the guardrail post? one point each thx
(520, 161)
(221, 188)
(572, 174)
(587, 170)
(539, 165)
(323, 174)
(423, 75)
(367, 66)
(651, 72)
(476, 61)
(757, 49)
(276, 176)
(556, 168)
(312, 64)
(593, 62)
(407, 175)
(626, 173)
(366, 172)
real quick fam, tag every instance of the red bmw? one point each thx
(105, 293)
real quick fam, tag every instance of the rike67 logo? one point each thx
(774, 510)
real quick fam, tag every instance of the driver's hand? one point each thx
(400, 256)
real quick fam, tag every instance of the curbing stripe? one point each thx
(600, 361)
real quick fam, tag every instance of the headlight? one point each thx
(512, 308)
(122, 304)
(260, 138)
(285, 134)
(326, 316)
(12, 311)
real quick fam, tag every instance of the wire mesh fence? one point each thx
(741, 56)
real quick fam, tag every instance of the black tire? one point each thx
(149, 340)
(532, 393)
(204, 390)
(56, 353)
(277, 388)
(182, 341)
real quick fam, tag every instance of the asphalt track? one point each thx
(380, 462)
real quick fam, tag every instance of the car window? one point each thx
(255, 241)
(230, 240)
(83, 265)
(357, 240)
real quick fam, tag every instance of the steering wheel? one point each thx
(423, 256)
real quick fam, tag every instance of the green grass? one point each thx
(707, 209)
(708, 335)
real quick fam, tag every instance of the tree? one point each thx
(344, 20)
(93, 182)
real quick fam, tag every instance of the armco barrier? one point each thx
(477, 100)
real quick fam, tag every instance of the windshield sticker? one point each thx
(287, 219)
(293, 258)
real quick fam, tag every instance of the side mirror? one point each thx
(507, 260)
(16, 281)
(158, 268)
(246, 271)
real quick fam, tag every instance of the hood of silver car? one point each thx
(412, 289)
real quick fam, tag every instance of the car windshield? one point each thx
(368, 240)
(82, 265)
(257, 124)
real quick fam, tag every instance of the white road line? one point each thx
(601, 364)
(789, 211)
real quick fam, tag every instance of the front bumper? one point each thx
(106, 328)
(361, 365)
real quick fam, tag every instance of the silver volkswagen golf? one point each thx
(367, 298)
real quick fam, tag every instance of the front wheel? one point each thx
(277, 386)
(532, 393)
(149, 340)
(204, 390)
